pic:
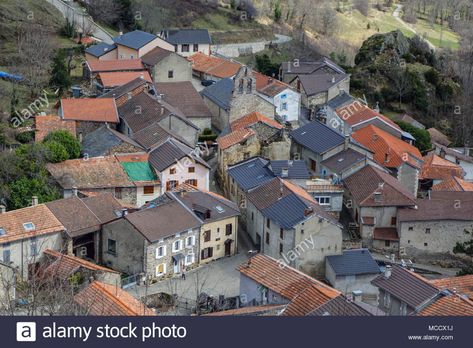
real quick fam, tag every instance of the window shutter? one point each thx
(211, 252)
(193, 240)
(164, 268)
(157, 253)
(164, 250)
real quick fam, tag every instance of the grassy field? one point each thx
(439, 38)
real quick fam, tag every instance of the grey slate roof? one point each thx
(154, 135)
(169, 152)
(343, 160)
(340, 100)
(296, 169)
(339, 306)
(317, 137)
(287, 211)
(134, 39)
(250, 173)
(406, 286)
(353, 262)
(318, 83)
(188, 36)
(312, 67)
(101, 140)
(220, 93)
(100, 49)
(122, 90)
(155, 56)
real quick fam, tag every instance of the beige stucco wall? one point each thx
(182, 174)
(218, 238)
(182, 69)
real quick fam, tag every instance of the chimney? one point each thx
(80, 137)
(270, 80)
(34, 200)
(387, 271)
(357, 295)
(284, 172)
(3, 209)
(333, 79)
(124, 212)
(162, 110)
(347, 142)
(141, 76)
(74, 191)
(120, 33)
(129, 95)
(308, 211)
(376, 108)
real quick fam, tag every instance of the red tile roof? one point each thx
(90, 109)
(42, 218)
(389, 151)
(234, 138)
(63, 266)
(450, 305)
(437, 168)
(386, 233)
(215, 66)
(357, 112)
(438, 137)
(462, 284)
(97, 66)
(453, 183)
(304, 292)
(270, 309)
(47, 124)
(119, 78)
(103, 299)
(252, 118)
(268, 85)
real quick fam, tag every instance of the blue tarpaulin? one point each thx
(7, 76)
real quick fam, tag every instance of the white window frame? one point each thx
(157, 252)
(186, 263)
(192, 243)
(387, 299)
(174, 244)
(324, 198)
(164, 270)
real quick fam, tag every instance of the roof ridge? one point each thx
(114, 297)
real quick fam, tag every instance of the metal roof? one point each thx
(353, 262)
(100, 49)
(134, 39)
(287, 211)
(188, 36)
(317, 137)
(220, 93)
(296, 169)
(250, 173)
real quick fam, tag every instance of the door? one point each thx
(228, 247)
(177, 266)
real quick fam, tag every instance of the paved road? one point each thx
(235, 50)
(76, 15)
(397, 16)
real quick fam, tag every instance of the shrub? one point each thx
(70, 143)
(58, 152)
(25, 137)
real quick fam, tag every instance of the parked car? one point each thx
(207, 83)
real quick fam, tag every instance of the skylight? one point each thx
(28, 226)
(219, 209)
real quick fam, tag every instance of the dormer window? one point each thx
(219, 209)
(29, 226)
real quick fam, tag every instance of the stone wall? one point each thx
(181, 68)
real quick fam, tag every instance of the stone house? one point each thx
(352, 271)
(230, 99)
(329, 195)
(136, 244)
(125, 92)
(176, 163)
(402, 292)
(373, 198)
(106, 175)
(205, 67)
(436, 170)
(286, 223)
(458, 157)
(403, 160)
(143, 110)
(188, 41)
(24, 236)
(192, 105)
(345, 163)
(89, 113)
(436, 225)
(167, 66)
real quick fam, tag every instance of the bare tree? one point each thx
(362, 5)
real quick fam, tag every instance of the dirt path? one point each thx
(397, 16)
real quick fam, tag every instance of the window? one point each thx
(28, 226)
(189, 259)
(313, 165)
(6, 256)
(302, 231)
(160, 251)
(246, 155)
(170, 74)
(228, 229)
(218, 247)
(191, 170)
(268, 223)
(280, 248)
(34, 246)
(185, 48)
(252, 216)
(393, 220)
(176, 246)
(148, 190)
(281, 233)
(284, 106)
(387, 299)
(171, 184)
(387, 243)
(196, 47)
(2, 232)
(323, 200)
(206, 253)
(411, 228)
(112, 246)
(267, 238)
(175, 48)
(160, 269)
(207, 235)
(190, 241)
(118, 192)
(192, 182)
(172, 171)
(427, 230)
(425, 244)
